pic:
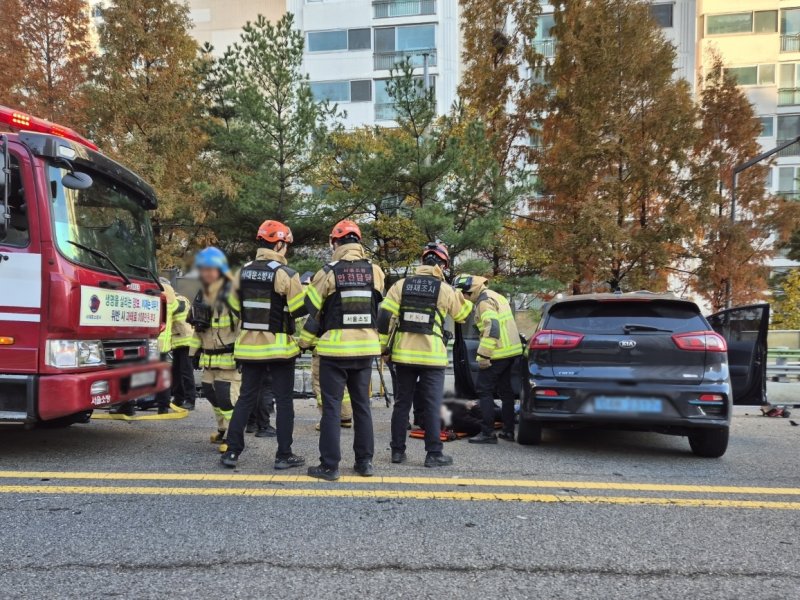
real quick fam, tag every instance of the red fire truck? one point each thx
(80, 304)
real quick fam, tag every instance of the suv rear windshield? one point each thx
(612, 317)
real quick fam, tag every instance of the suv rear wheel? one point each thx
(709, 443)
(529, 433)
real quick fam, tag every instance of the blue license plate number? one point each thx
(627, 404)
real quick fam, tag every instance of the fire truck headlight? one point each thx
(152, 350)
(66, 354)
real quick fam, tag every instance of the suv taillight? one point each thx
(700, 341)
(552, 339)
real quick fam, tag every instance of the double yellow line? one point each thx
(481, 494)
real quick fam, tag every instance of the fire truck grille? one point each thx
(119, 352)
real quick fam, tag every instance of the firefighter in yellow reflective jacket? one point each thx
(216, 326)
(498, 349)
(342, 302)
(269, 297)
(165, 340)
(412, 334)
(182, 370)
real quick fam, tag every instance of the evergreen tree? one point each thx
(268, 125)
(617, 138)
(146, 109)
(428, 178)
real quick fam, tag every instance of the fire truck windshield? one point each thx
(106, 217)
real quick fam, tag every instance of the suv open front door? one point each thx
(465, 362)
(745, 330)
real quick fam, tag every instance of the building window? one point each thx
(545, 43)
(342, 91)
(396, 44)
(762, 21)
(403, 8)
(788, 127)
(339, 39)
(384, 104)
(787, 182)
(790, 30)
(767, 126)
(788, 84)
(361, 91)
(662, 14)
(765, 21)
(753, 74)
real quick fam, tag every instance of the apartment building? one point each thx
(351, 46)
(220, 22)
(759, 41)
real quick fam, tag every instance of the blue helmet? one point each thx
(212, 258)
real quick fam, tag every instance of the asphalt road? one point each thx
(142, 510)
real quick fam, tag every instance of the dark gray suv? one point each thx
(645, 362)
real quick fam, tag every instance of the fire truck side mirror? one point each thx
(76, 180)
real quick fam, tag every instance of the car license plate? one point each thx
(142, 379)
(627, 404)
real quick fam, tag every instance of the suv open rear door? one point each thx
(745, 329)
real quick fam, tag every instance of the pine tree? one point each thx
(617, 137)
(146, 109)
(49, 61)
(725, 251)
(269, 126)
(428, 178)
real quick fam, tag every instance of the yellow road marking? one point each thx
(437, 481)
(396, 495)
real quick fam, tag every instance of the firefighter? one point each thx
(498, 349)
(270, 297)
(165, 340)
(412, 334)
(182, 370)
(342, 302)
(216, 325)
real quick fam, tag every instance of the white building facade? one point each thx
(351, 46)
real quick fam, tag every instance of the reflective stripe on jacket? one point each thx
(339, 343)
(418, 348)
(495, 320)
(165, 337)
(182, 332)
(216, 343)
(257, 345)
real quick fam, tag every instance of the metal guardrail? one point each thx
(788, 96)
(545, 47)
(384, 9)
(790, 43)
(385, 61)
(793, 150)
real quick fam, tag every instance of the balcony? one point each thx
(788, 96)
(385, 61)
(793, 195)
(384, 9)
(790, 43)
(793, 150)
(545, 47)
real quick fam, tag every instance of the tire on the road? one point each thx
(709, 443)
(529, 433)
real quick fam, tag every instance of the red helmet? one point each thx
(345, 228)
(274, 231)
(437, 249)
